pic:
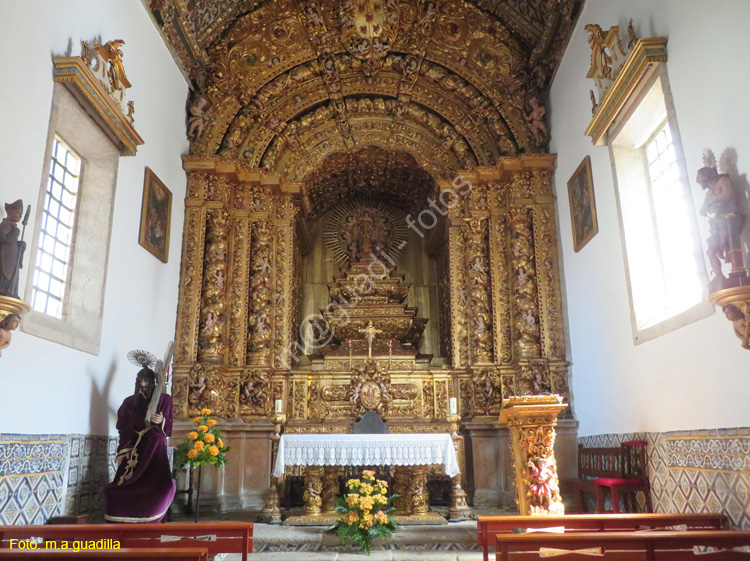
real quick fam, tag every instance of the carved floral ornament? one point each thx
(283, 84)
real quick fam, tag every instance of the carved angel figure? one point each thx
(9, 323)
(197, 118)
(600, 59)
(542, 485)
(112, 55)
(535, 118)
(725, 221)
(740, 322)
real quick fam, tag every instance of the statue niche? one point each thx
(367, 313)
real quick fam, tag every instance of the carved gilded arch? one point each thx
(282, 59)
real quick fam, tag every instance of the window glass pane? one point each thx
(68, 199)
(46, 262)
(66, 217)
(61, 252)
(49, 244)
(58, 172)
(56, 230)
(43, 281)
(54, 308)
(58, 269)
(56, 288)
(64, 233)
(664, 257)
(40, 302)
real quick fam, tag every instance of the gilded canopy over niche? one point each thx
(370, 172)
(283, 84)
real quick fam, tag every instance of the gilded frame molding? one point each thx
(151, 183)
(582, 175)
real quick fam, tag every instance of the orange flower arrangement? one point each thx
(202, 446)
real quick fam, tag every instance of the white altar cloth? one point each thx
(366, 450)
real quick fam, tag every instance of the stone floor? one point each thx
(452, 542)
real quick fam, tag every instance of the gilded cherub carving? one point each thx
(8, 324)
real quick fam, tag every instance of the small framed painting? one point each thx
(582, 205)
(156, 213)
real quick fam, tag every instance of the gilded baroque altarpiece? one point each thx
(305, 109)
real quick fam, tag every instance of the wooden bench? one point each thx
(620, 469)
(488, 527)
(220, 537)
(624, 546)
(138, 554)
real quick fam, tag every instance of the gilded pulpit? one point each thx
(531, 420)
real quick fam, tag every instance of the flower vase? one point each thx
(198, 495)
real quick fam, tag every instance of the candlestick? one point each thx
(350, 354)
(278, 406)
(390, 352)
(453, 405)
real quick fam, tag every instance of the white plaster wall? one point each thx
(46, 387)
(697, 376)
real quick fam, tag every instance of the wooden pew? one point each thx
(490, 526)
(624, 546)
(220, 537)
(137, 554)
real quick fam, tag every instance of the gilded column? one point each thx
(459, 297)
(478, 290)
(260, 329)
(526, 314)
(548, 276)
(191, 272)
(212, 335)
(284, 302)
(500, 277)
(238, 290)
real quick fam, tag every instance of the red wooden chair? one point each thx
(634, 478)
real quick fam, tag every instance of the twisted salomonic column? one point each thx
(211, 337)
(260, 329)
(478, 290)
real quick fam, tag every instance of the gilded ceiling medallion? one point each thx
(369, 27)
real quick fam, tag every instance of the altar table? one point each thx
(367, 450)
(323, 455)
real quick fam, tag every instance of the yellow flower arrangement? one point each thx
(203, 445)
(367, 512)
(352, 499)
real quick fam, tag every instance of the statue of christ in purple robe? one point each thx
(143, 488)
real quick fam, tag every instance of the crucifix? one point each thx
(370, 331)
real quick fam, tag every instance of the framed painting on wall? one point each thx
(156, 213)
(582, 205)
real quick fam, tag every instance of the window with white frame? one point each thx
(51, 276)
(666, 272)
(73, 226)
